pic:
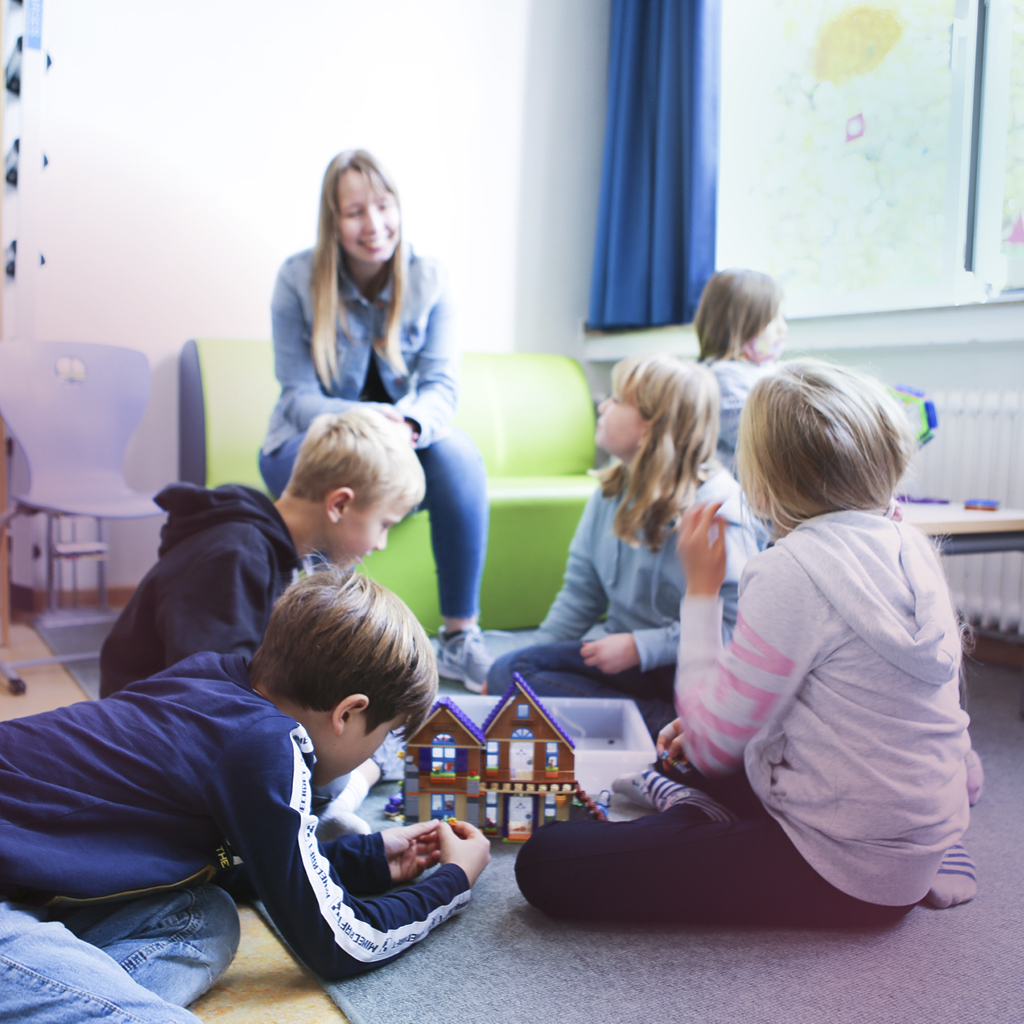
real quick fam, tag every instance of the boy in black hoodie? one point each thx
(226, 554)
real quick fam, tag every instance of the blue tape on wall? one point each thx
(34, 24)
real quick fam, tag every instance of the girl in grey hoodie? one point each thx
(826, 741)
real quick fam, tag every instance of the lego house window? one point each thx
(492, 755)
(551, 756)
(549, 807)
(442, 805)
(522, 711)
(442, 757)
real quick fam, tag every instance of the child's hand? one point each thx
(412, 849)
(701, 549)
(611, 654)
(670, 739)
(464, 845)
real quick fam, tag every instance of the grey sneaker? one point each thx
(464, 656)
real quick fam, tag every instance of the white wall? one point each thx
(186, 142)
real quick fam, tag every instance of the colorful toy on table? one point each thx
(920, 411)
(982, 504)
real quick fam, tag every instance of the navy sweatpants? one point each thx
(676, 867)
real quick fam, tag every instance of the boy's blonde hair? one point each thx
(332, 635)
(361, 449)
(735, 306)
(817, 438)
(680, 401)
(327, 311)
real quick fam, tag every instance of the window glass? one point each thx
(844, 172)
(1012, 236)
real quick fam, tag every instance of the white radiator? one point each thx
(978, 452)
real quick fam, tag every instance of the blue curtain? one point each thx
(655, 245)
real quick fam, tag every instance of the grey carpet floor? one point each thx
(501, 961)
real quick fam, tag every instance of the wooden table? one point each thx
(963, 531)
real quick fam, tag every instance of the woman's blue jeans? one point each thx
(457, 502)
(141, 960)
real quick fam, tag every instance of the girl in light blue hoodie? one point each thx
(661, 427)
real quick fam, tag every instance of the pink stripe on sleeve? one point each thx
(763, 700)
(766, 658)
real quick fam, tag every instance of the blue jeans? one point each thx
(557, 670)
(457, 502)
(141, 960)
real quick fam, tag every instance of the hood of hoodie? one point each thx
(192, 509)
(879, 575)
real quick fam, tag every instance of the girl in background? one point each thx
(362, 318)
(660, 426)
(822, 777)
(741, 330)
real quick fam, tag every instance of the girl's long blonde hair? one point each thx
(817, 438)
(680, 401)
(328, 312)
(735, 306)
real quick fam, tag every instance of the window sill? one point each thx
(999, 320)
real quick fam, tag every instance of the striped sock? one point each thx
(956, 881)
(652, 789)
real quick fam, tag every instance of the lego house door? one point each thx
(520, 817)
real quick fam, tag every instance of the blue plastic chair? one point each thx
(72, 407)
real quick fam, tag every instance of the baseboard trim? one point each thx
(994, 650)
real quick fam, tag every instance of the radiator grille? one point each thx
(978, 452)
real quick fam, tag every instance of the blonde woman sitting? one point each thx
(362, 318)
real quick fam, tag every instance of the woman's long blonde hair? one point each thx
(680, 401)
(735, 306)
(328, 312)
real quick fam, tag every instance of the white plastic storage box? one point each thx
(610, 737)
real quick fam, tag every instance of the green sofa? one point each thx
(531, 416)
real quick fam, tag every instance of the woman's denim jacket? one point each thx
(427, 394)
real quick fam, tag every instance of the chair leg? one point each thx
(51, 559)
(15, 684)
(5, 588)
(101, 570)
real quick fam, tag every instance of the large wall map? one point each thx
(1013, 188)
(836, 147)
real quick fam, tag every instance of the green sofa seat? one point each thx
(531, 415)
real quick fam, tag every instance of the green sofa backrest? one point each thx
(530, 414)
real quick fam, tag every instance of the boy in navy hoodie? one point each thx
(113, 851)
(226, 554)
